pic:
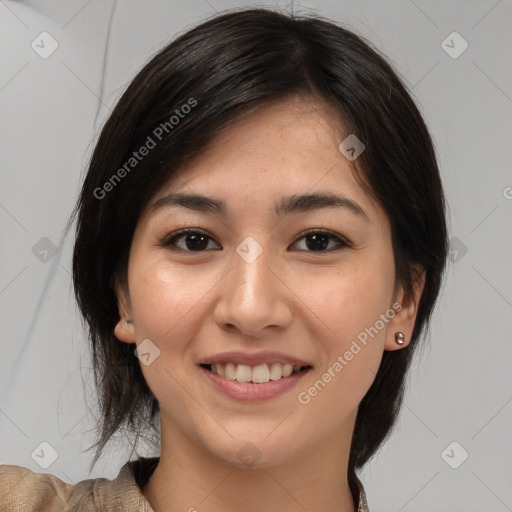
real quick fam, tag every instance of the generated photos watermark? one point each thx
(157, 135)
(357, 345)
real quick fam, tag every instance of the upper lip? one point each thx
(253, 359)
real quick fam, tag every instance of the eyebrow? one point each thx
(289, 204)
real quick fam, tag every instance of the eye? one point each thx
(192, 240)
(188, 240)
(319, 241)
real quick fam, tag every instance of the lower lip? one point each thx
(250, 392)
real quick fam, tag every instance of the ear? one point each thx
(124, 329)
(406, 309)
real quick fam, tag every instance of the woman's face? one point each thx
(265, 278)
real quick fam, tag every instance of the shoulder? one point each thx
(23, 490)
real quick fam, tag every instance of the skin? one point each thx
(292, 299)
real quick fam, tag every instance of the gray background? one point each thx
(51, 109)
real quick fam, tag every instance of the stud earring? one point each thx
(399, 338)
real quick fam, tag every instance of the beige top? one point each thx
(22, 490)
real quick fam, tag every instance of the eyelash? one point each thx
(169, 240)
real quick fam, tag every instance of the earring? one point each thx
(125, 325)
(399, 338)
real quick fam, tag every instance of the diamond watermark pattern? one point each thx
(147, 352)
(44, 45)
(457, 249)
(44, 250)
(352, 147)
(249, 250)
(454, 455)
(454, 45)
(44, 455)
(249, 454)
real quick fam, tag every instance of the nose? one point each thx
(254, 297)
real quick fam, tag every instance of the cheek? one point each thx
(165, 304)
(165, 299)
(348, 300)
(350, 305)
(351, 361)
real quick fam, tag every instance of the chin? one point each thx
(255, 451)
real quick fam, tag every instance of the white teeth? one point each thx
(258, 374)
(276, 371)
(229, 371)
(243, 373)
(287, 370)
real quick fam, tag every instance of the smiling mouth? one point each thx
(259, 374)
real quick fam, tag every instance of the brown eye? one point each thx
(189, 241)
(198, 241)
(319, 241)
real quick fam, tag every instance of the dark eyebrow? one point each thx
(289, 204)
(308, 202)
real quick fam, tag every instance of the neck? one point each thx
(188, 477)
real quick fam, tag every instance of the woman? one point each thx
(263, 221)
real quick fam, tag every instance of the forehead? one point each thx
(287, 148)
